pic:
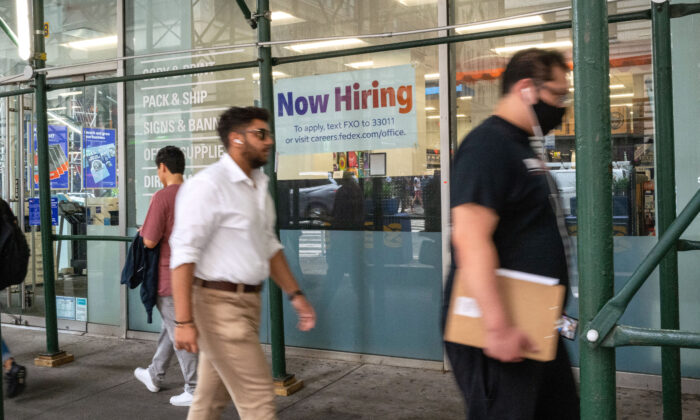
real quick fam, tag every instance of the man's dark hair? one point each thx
(236, 118)
(533, 64)
(173, 159)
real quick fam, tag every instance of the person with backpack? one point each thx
(156, 231)
(14, 259)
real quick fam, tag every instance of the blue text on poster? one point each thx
(59, 166)
(99, 158)
(358, 110)
(35, 215)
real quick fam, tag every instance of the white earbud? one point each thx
(237, 141)
(527, 95)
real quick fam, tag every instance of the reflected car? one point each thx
(316, 201)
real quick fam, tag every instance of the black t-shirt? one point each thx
(495, 167)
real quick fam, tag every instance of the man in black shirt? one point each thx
(505, 213)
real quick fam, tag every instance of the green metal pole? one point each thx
(279, 368)
(6, 28)
(44, 183)
(666, 202)
(594, 189)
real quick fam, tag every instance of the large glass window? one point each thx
(182, 111)
(359, 200)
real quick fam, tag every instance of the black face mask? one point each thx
(549, 116)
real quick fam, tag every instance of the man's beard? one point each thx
(255, 162)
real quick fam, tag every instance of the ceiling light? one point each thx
(618, 86)
(24, 42)
(256, 76)
(461, 116)
(500, 24)
(544, 45)
(333, 43)
(284, 18)
(60, 108)
(77, 92)
(430, 108)
(360, 64)
(410, 3)
(622, 95)
(59, 119)
(433, 117)
(94, 43)
(432, 76)
(464, 98)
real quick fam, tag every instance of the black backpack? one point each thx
(14, 251)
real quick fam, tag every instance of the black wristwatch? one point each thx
(295, 294)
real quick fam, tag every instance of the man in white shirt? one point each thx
(223, 247)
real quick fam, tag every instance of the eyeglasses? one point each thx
(260, 133)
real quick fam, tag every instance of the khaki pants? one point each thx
(232, 364)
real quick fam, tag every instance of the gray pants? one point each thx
(166, 349)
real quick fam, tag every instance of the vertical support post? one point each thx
(279, 368)
(666, 202)
(53, 356)
(594, 189)
(44, 182)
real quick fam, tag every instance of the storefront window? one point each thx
(359, 200)
(83, 174)
(181, 111)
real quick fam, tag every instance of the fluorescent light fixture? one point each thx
(94, 43)
(433, 117)
(430, 108)
(59, 119)
(333, 43)
(24, 45)
(464, 98)
(361, 64)
(64, 94)
(283, 18)
(500, 24)
(410, 3)
(256, 76)
(617, 86)
(544, 45)
(60, 108)
(622, 95)
(432, 76)
(461, 116)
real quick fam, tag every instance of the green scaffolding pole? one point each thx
(666, 203)
(44, 183)
(6, 28)
(594, 189)
(279, 368)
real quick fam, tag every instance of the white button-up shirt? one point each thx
(224, 224)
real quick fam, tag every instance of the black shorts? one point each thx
(527, 390)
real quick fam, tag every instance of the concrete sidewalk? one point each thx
(100, 385)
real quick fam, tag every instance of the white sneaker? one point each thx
(182, 400)
(145, 378)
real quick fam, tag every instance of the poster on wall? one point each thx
(99, 158)
(35, 209)
(357, 110)
(58, 157)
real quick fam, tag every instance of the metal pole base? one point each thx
(53, 360)
(287, 386)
